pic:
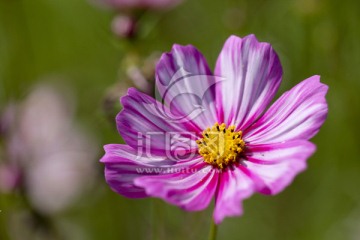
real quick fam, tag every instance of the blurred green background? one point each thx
(71, 41)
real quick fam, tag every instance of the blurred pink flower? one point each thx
(141, 4)
(9, 178)
(54, 155)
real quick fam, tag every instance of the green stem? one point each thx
(153, 219)
(213, 231)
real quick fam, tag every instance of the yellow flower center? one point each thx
(221, 146)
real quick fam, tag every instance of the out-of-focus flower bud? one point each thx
(123, 26)
(10, 176)
(135, 72)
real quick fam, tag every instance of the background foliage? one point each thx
(70, 42)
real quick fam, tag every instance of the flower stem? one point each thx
(153, 220)
(213, 231)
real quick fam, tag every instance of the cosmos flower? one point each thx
(45, 153)
(213, 135)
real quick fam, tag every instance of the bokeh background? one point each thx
(69, 47)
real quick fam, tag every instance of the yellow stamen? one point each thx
(221, 146)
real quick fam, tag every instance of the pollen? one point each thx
(221, 146)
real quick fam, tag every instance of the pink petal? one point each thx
(252, 74)
(234, 186)
(123, 165)
(274, 166)
(191, 190)
(297, 114)
(143, 126)
(186, 84)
